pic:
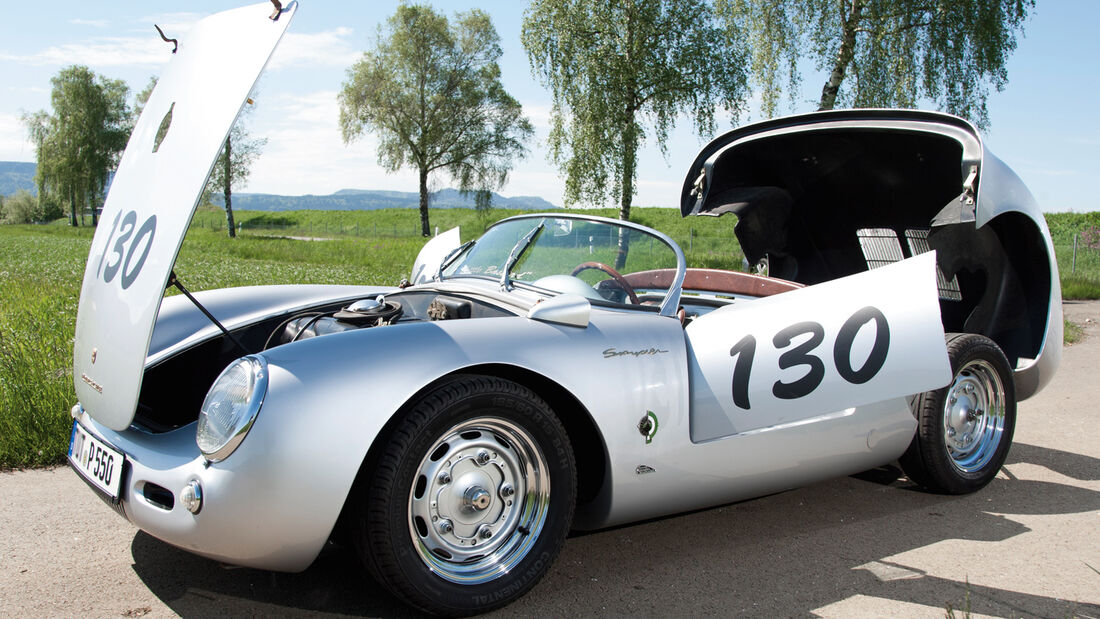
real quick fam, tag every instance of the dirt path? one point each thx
(1028, 545)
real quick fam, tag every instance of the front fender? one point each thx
(330, 397)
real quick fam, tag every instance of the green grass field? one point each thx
(41, 268)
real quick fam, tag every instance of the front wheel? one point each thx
(964, 429)
(471, 498)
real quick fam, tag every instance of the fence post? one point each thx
(1073, 269)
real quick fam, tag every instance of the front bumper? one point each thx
(249, 517)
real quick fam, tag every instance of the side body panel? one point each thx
(329, 398)
(788, 358)
(739, 445)
(1001, 191)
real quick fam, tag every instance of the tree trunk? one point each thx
(843, 57)
(630, 164)
(72, 210)
(424, 228)
(228, 188)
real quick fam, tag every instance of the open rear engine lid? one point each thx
(153, 197)
(711, 188)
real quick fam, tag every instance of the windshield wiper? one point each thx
(517, 251)
(451, 257)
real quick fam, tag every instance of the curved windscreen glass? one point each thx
(598, 259)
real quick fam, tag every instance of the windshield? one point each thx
(600, 259)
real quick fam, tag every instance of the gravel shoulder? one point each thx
(871, 545)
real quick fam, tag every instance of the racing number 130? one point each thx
(802, 355)
(126, 258)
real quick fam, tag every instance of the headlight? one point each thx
(231, 406)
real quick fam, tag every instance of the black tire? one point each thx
(461, 456)
(965, 429)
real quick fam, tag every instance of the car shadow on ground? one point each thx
(783, 555)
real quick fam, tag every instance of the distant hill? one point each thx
(16, 175)
(371, 199)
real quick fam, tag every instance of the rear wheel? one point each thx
(965, 429)
(471, 498)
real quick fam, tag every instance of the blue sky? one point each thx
(1044, 124)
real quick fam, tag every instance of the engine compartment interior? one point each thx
(813, 206)
(172, 391)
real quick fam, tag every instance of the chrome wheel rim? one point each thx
(974, 416)
(479, 500)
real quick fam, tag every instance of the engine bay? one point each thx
(172, 391)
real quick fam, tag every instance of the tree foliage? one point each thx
(78, 145)
(20, 208)
(619, 68)
(430, 91)
(142, 97)
(883, 53)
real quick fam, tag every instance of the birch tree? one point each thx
(882, 53)
(621, 72)
(430, 91)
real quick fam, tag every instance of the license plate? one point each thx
(97, 461)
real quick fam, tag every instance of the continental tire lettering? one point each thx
(511, 589)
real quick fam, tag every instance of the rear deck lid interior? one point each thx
(802, 187)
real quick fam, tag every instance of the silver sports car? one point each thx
(562, 371)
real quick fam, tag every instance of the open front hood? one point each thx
(153, 196)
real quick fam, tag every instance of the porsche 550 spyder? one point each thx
(562, 371)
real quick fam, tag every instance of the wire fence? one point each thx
(703, 247)
(709, 248)
(1078, 259)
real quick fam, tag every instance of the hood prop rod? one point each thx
(174, 281)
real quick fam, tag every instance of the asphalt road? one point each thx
(872, 545)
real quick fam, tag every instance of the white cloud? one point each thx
(305, 153)
(539, 114)
(13, 140)
(145, 47)
(525, 181)
(99, 52)
(330, 47)
(172, 23)
(94, 23)
(36, 90)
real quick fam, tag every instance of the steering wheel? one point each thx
(619, 279)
